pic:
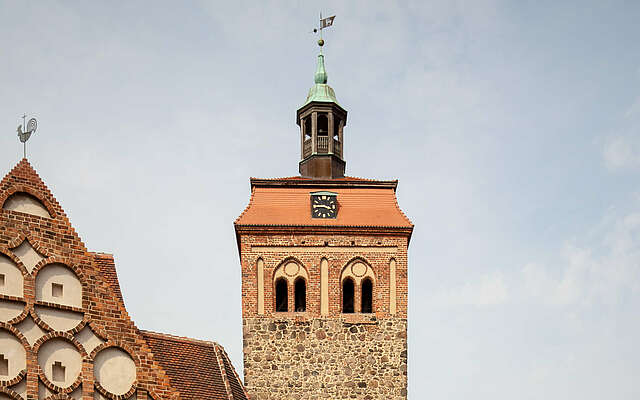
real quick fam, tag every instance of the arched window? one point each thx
(367, 296)
(290, 279)
(336, 129)
(347, 295)
(282, 298)
(300, 295)
(323, 125)
(307, 127)
(357, 274)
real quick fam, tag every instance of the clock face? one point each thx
(323, 206)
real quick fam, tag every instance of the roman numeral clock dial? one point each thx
(324, 204)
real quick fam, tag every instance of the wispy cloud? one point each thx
(622, 150)
(489, 290)
(604, 271)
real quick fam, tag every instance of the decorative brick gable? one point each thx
(62, 315)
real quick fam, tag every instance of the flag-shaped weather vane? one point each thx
(30, 128)
(324, 23)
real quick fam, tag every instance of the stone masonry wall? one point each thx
(325, 359)
(308, 355)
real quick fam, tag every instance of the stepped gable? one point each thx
(62, 310)
(198, 369)
(107, 266)
(286, 202)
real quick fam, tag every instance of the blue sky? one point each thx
(514, 128)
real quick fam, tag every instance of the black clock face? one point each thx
(323, 206)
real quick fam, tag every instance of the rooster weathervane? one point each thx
(30, 128)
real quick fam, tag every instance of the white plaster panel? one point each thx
(59, 320)
(26, 203)
(88, 339)
(13, 283)
(21, 388)
(324, 287)
(27, 255)
(59, 350)
(61, 275)
(260, 268)
(9, 310)
(30, 330)
(114, 370)
(392, 286)
(13, 350)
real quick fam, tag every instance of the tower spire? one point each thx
(321, 120)
(321, 72)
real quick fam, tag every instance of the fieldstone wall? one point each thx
(332, 358)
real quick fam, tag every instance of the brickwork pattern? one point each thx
(307, 355)
(56, 240)
(102, 311)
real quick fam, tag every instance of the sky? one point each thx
(513, 128)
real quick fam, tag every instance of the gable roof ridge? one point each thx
(303, 181)
(235, 373)
(179, 339)
(223, 372)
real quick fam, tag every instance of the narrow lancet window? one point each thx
(367, 296)
(323, 125)
(301, 295)
(347, 296)
(307, 128)
(282, 298)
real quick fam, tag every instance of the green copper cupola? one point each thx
(321, 120)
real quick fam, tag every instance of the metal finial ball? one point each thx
(321, 42)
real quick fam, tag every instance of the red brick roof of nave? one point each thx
(198, 369)
(286, 202)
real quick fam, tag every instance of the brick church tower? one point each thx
(324, 273)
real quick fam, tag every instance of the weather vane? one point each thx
(324, 23)
(30, 127)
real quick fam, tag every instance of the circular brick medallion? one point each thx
(114, 370)
(60, 361)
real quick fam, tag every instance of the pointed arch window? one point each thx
(348, 293)
(282, 297)
(300, 295)
(358, 283)
(290, 279)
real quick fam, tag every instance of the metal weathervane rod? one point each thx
(324, 23)
(30, 128)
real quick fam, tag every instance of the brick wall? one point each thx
(305, 355)
(102, 311)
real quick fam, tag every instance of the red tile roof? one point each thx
(198, 369)
(286, 202)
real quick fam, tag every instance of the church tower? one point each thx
(324, 273)
(321, 121)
